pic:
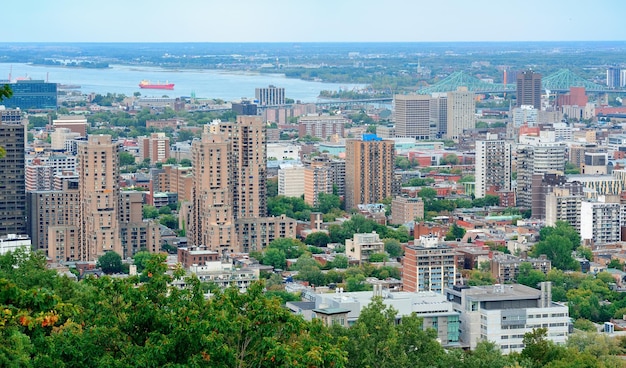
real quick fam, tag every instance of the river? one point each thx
(205, 83)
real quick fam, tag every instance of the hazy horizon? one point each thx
(320, 21)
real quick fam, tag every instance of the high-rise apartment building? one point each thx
(156, 147)
(39, 176)
(461, 113)
(12, 183)
(369, 170)
(411, 114)
(439, 113)
(213, 217)
(529, 89)
(531, 160)
(317, 179)
(429, 267)
(270, 96)
(99, 194)
(613, 77)
(229, 191)
(493, 166)
(600, 221)
(291, 180)
(321, 126)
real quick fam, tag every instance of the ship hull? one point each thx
(157, 86)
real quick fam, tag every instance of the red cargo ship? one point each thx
(147, 85)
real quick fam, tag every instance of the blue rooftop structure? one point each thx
(371, 137)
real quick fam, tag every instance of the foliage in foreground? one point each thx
(50, 321)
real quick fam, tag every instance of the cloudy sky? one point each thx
(311, 20)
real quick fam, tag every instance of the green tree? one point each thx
(340, 261)
(318, 239)
(328, 202)
(558, 248)
(185, 162)
(184, 135)
(275, 257)
(126, 159)
(150, 212)
(165, 210)
(615, 263)
(170, 221)
(529, 276)
(393, 247)
(140, 259)
(292, 248)
(539, 349)
(378, 257)
(455, 232)
(376, 340)
(110, 262)
(272, 187)
(450, 159)
(585, 325)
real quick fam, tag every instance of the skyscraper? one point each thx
(613, 77)
(461, 110)
(99, 194)
(369, 170)
(12, 184)
(493, 165)
(529, 89)
(230, 170)
(412, 116)
(212, 218)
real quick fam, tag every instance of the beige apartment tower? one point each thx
(99, 193)
(369, 170)
(212, 217)
(461, 109)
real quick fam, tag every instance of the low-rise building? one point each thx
(362, 246)
(13, 242)
(505, 267)
(406, 209)
(504, 313)
(344, 308)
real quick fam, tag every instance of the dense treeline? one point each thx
(51, 321)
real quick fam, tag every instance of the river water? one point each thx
(205, 83)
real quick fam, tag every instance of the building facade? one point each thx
(291, 180)
(321, 126)
(529, 89)
(12, 183)
(362, 246)
(430, 267)
(269, 96)
(493, 166)
(32, 95)
(461, 113)
(406, 209)
(156, 147)
(369, 170)
(411, 114)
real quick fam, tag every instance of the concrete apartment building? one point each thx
(39, 176)
(98, 187)
(531, 160)
(362, 246)
(76, 124)
(504, 313)
(228, 212)
(461, 113)
(406, 209)
(564, 204)
(369, 170)
(321, 126)
(493, 165)
(60, 139)
(505, 267)
(175, 179)
(156, 147)
(429, 266)
(411, 114)
(269, 96)
(291, 180)
(13, 188)
(600, 220)
(317, 179)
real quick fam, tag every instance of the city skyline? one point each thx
(319, 21)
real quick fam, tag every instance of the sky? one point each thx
(311, 20)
